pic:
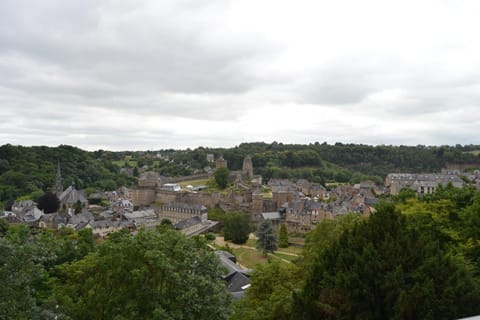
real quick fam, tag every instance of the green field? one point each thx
(194, 183)
(249, 258)
(474, 152)
(121, 163)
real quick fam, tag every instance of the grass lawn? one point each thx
(249, 258)
(292, 249)
(251, 243)
(284, 256)
(474, 152)
(121, 163)
(194, 183)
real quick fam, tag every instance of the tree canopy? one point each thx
(222, 177)
(152, 275)
(236, 227)
(266, 238)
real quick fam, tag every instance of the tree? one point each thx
(166, 222)
(266, 240)
(78, 207)
(48, 203)
(270, 293)
(236, 227)
(151, 275)
(222, 177)
(385, 268)
(283, 237)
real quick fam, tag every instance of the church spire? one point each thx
(58, 187)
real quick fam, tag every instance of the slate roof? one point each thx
(107, 223)
(33, 215)
(72, 195)
(271, 215)
(236, 278)
(142, 214)
(188, 223)
(83, 217)
(236, 281)
(225, 259)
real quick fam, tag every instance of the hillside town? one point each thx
(155, 199)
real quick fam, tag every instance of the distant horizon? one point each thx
(245, 142)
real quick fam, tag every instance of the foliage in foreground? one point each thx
(158, 274)
(153, 275)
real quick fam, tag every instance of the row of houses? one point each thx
(189, 219)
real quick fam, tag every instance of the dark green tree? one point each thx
(270, 293)
(283, 236)
(151, 275)
(266, 239)
(166, 222)
(135, 172)
(236, 227)
(78, 207)
(48, 203)
(384, 268)
(222, 177)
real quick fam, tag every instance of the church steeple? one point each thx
(58, 187)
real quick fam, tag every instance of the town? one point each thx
(300, 205)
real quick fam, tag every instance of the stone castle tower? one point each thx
(221, 163)
(247, 168)
(257, 202)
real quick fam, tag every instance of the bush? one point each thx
(210, 236)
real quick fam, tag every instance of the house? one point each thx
(424, 183)
(177, 212)
(190, 226)
(52, 221)
(147, 219)
(103, 228)
(236, 278)
(122, 206)
(33, 216)
(23, 206)
(170, 187)
(78, 221)
(10, 217)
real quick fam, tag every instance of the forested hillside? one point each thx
(318, 162)
(31, 171)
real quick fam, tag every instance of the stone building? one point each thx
(71, 196)
(221, 163)
(247, 168)
(176, 212)
(144, 194)
(257, 202)
(424, 183)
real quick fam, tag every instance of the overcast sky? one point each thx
(139, 74)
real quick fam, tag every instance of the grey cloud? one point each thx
(164, 52)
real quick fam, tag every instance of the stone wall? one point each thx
(142, 196)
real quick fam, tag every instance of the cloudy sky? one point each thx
(152, 74)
